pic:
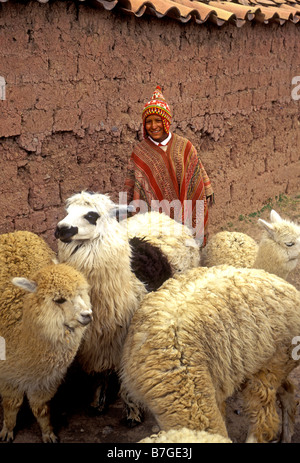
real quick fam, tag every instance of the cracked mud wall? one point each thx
(77, 78)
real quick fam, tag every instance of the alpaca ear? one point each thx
(266, 226)
(23, 283)
(275, 217)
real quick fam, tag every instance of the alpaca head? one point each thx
(89, 216)
(58, 299)
(285, 235)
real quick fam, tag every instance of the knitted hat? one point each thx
(157, 105)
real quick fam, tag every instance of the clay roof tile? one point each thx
(237, 12)
(217, 11)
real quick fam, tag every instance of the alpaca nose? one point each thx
(85, 318)
(65, 233)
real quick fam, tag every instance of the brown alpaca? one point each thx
(42, 320)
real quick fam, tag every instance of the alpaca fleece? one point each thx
(230, 248)
(149, 264)
(185, 435)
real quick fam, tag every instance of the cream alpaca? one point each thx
(205, 334)
(42, 329)
(278, 251)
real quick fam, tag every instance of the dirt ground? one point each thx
(73, 421)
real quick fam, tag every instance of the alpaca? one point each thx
(205, 334)
(278, 251)
(44, 312)
(92, 240)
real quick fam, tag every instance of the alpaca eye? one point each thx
(60, 300)
(289, 244)
(92, 217)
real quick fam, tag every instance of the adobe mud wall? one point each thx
(76, 81)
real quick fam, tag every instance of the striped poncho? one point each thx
(173, 177)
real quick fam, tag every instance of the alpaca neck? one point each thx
(47, 336)
(108, 257)
(106, 263)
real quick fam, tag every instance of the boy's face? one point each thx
(154, 128)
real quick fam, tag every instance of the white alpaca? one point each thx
(278, 251)
(93, 241)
